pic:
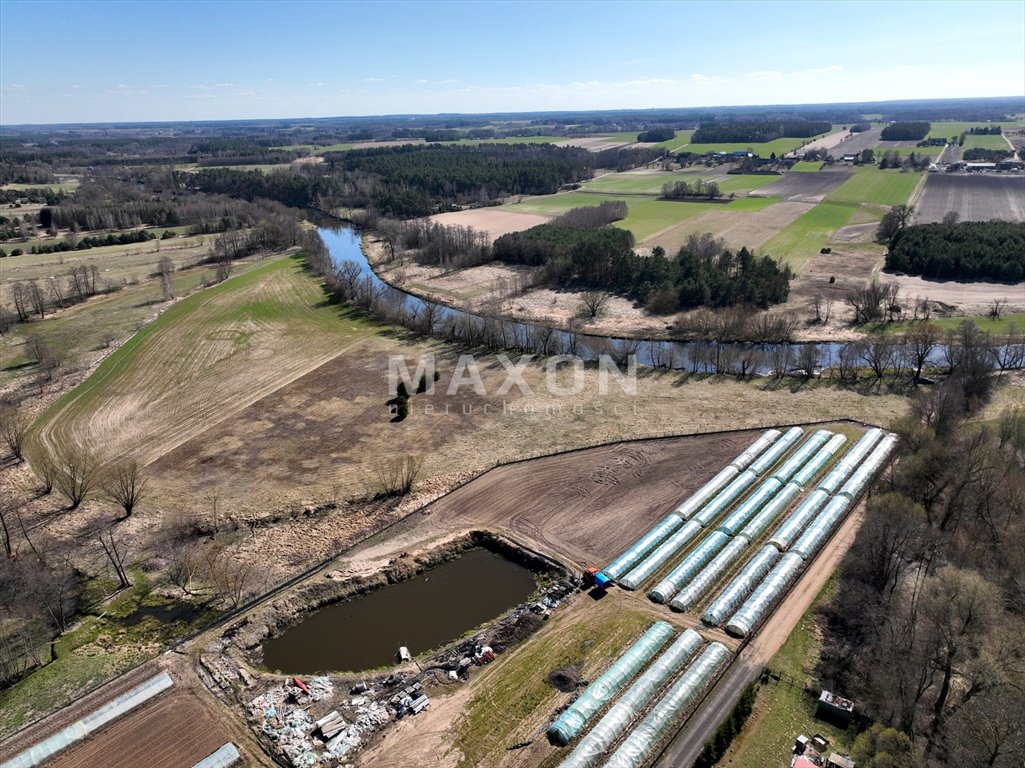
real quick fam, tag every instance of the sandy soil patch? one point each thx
(856, 233)
(594, 143)
(966, 296)
(750, 229)
(495, 221)
(826, 142)
(621, 316)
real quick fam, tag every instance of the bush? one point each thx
(716, 747)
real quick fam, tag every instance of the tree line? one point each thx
(927, 631)
(910, 130)
(979, 154)
(756, 132)
(419, 180)
(656, 135)
(699, 189)
(969, 250)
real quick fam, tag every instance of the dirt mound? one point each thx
(510, 634)
(566, 679)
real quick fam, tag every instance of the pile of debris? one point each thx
(282, 715)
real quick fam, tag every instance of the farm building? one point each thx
(979, 167)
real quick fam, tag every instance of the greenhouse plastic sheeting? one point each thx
(693, 562)
(705, 492)
(781, 446)
(224, 757)
(864, 474)
(850, 460)
(607, 730)
(603, 690)
(772, 510)
(798, 520)
(692, 592)
(636, 748)
(78, 730)
(821, 528)
(738, 589)
(765, 595)
(818, 461)
(796, 460)
(751, 504)
(725, 497)
(636, 578)
(734, 468)
(642, 546)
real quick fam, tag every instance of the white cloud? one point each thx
(824, 70)
(765, 74)
(421, 82)
(374, 79)
(17, 87)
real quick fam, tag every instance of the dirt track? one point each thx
(684, 749)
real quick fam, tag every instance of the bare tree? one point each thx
(593, 303)
(125, 484)
(230, 577)
(921, 340)
(115, 548)
(867, 301)
(76, 473)
(164, 268)
(997, 308)
(14, 424)
(37, 298)
(808, 359)
(397, 476)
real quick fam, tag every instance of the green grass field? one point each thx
(905, 151)
(765, 149)
(868, 191)
(203, 358)
(517, 688)
(872, 185)
(782, 710)
(949, 129)
(805, 166)
(996, 325)
(984, 141)
(63, 186)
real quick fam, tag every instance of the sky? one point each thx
(89, 61)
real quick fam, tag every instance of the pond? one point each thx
(424, 612)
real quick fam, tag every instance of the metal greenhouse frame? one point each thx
(604, 689)
(690, 565)
(608, 730)
(765, 595)
(635, 749)
(738, 589)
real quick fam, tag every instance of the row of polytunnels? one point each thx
(673, 681)
(712, 531)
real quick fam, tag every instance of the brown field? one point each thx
(750, 229)
(968, 297)
(857, 142)
(804, 187)
(595, 143)
(495, 221)
(975, 197)
(829, 142)
(174, 730)
(585, 507)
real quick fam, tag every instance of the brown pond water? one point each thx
(427, 611)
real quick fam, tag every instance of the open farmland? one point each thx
(750, 229)
(495, 221)
(952, 129)
(858, 142)
(805, 187)
(210, 351)
(779, 147)
(172, 731)
(974, 197)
